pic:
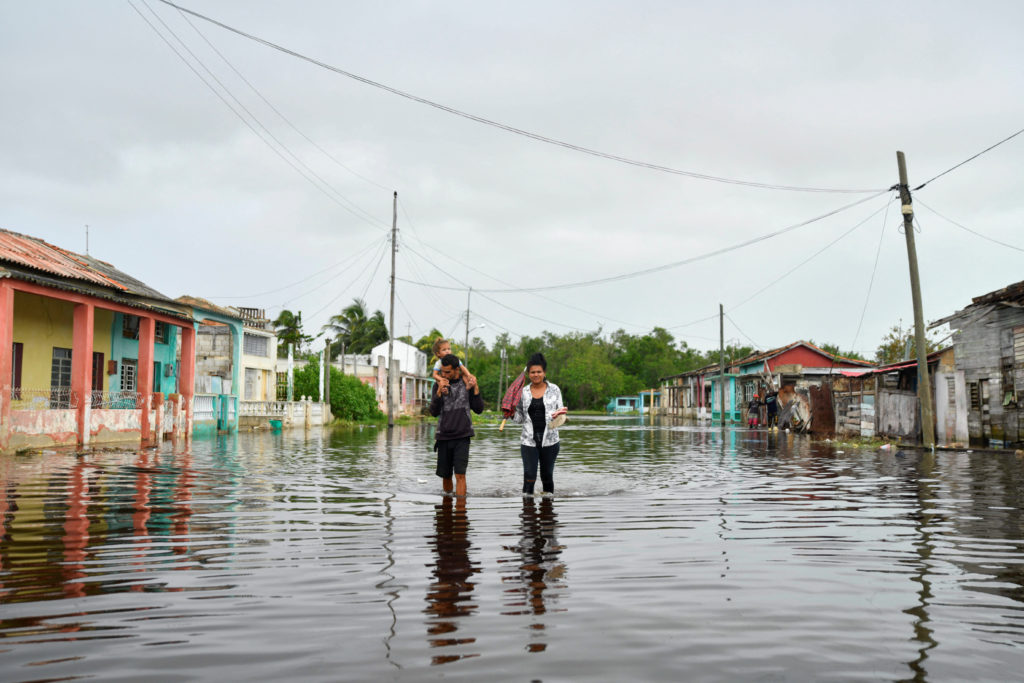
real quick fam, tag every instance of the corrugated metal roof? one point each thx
(34, 253)
(41, 256)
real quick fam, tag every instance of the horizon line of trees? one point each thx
(589, 367)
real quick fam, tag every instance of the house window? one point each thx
(60, 378)
(975, 396)
(129, 366)
(282, 386)
(16, 355)
(130, 326)
(255, 345)
(160, 332)
(1018, 345)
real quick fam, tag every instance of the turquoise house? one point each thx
(124, 351)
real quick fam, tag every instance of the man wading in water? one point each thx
(455, 427)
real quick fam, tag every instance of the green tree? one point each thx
(897, 342)
(350, 398)
(834, 350)
(288, 326)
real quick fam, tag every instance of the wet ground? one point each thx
(669, 552)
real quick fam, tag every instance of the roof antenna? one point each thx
(86, 239)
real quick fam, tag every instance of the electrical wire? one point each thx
(305, 279)
(336, 275)
(279, 113)
(667, 266)
(969, 159)
(535, 294)
(345, 289)
(511, 129)
(729, 318)
(964, 227)
(811, 257)
(322, 185)
(871, 280)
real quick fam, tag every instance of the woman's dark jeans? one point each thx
(546, 458)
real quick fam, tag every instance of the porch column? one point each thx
(6, 358)
(147, 329)
(187, 374)
(81, 368)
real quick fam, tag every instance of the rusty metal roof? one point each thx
(34, 253)
(37, 255)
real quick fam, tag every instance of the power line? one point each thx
(322, 185)
(756, 345)
(964, 227)
(540, 296)
(345, 289)
(278, 111)
(811, 257)
(667, 266)
(305, 279)
(970, 158)
(871, 281)
(511, 129)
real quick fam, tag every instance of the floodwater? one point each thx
(669, 553)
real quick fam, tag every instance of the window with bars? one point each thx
(255, 345)
(60, 378)
(129, 368)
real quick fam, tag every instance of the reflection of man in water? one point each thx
(448, 596)
(539, 569)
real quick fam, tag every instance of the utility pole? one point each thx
(721, 363)
(391, 317)
(466, 347)
(924, 384)
(326, 398)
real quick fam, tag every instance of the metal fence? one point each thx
(116, 400)
(43, 399)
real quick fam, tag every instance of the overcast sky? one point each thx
(102, 124)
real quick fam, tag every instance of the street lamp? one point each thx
(468, 330)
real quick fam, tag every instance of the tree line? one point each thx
(589, 367)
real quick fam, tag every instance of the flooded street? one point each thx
(669, 553)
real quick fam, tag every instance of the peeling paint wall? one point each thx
(40, 428)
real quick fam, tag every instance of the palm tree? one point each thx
(359, 332)
(289, 331)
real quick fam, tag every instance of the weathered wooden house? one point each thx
(883, 401)
(988, 336)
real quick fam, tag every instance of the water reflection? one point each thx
(540, 572)
(449, 599)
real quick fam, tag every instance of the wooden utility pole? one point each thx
(391, 316)
(721, 363)
(924, 385)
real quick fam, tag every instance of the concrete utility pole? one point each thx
(721, 363)
(924, 384)
(391, 316)
(326, 397)
(466, 347)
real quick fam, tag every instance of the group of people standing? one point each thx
(539, 410)
(771, 404)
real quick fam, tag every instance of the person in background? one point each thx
(771, 403)
(442, 347)
(753, 411)
(451, 404)
(539, 407)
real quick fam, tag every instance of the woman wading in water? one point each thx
(541, 412)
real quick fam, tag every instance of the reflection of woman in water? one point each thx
(539, 568)
(448, 595)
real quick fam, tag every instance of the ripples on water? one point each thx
(669, 553)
